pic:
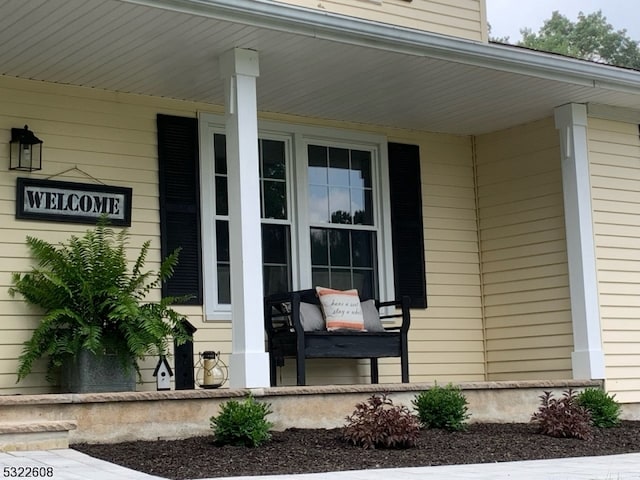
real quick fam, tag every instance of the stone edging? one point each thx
(75, 398)
(35, 427)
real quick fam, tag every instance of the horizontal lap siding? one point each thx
(107, 136)
(445, 340)
(614, 157)
(457, 18)
(331, 371)
(112, 137)
(524, 259)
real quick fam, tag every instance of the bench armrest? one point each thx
(403, 310)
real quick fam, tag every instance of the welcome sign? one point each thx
(72, 202)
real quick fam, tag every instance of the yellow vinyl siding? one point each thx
(523, 254)
(459, 18)
(614, 162)
(446, 340)
(112, 137)
(97, 136)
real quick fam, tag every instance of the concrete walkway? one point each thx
(63, 464)
(68, 464)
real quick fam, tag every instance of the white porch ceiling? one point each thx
(163, 49)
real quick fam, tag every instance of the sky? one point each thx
(507, 17)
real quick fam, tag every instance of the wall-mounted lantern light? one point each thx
(25, 150)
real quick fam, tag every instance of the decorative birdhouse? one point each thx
(183, 363)
(163, 374)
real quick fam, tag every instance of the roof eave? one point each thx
(355, 31)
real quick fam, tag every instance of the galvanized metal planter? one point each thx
(90, 373)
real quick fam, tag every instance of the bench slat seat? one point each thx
(286, 337)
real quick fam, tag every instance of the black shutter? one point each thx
(180, 203)
(406, 223)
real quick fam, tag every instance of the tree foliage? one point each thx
(591, 37)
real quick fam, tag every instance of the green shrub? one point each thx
(442, 407)
(378, 423)
(242, 423)
(605, 411)
(563, 417)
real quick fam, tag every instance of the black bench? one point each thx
(286, 337)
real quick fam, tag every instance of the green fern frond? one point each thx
(92, 300)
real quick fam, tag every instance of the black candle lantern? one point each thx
(25, 150)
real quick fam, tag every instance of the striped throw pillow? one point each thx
(341, 309)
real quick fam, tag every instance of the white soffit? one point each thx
(311, 64)
(608, 112)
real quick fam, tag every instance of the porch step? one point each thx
(44, 435)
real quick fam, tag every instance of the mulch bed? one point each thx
(321, 450)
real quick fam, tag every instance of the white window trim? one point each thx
(209, 124)
(297, 137)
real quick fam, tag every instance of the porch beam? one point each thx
(588, 357)
(248, 363)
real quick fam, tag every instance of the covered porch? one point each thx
(509, 246)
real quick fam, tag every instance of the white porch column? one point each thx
(587, 357)
(249, 363)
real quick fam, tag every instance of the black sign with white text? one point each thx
(72, 202)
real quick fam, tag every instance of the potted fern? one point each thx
(97, 323)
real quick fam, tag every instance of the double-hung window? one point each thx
(342, 230)
(322, 210)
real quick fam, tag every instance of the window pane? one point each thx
(220, 148)
(341, 279)
(275, 199)
(320, 277)
(223, 266)
(317, 165)
(339, 167)
(340, 205)
(275, 244)
(222, 240)
(357, 205)
(276, 279)
(318, 205)
(360, 169)
(352, 259)
(339, 250)
(273, 159)
(319, 247)
(222, 205)
(368, 210)
(362, 207)
(276, 258)
(347, 174)
(341, 217)
(224, 284)
(362, 245)
(363, 280)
